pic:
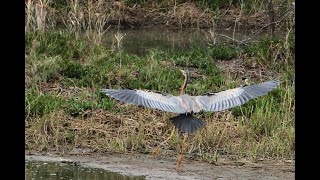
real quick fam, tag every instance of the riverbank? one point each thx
(164, 167)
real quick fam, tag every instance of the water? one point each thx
(139, 41)
(35, 170)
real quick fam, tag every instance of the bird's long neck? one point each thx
(184, 85)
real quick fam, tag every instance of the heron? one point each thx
(186, 106)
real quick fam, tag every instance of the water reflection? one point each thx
(56, 171)
(138, 41)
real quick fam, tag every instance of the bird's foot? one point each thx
(179, 162)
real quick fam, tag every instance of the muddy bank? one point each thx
(164, 167)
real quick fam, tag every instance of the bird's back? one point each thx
(189, 103)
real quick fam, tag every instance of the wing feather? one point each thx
(235, 97)
(148, 99)
(216, 102)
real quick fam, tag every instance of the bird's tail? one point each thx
(187, 123)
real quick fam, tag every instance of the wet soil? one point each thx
(161, 167)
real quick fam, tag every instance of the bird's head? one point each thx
(185, 73)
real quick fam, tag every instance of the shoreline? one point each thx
(164, 167)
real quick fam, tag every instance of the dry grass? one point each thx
(137, 129)
(95, 17)
(141, 130)
(103, 130)
(246, 67)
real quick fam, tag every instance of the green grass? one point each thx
(55, 44)
(63, 96)
(39, 104)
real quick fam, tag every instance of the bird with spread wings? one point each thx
(187, 105)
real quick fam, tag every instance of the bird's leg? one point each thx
(156, 151)
(180, 157)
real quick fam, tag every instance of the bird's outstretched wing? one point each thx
(234, 97)
(148, 99)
